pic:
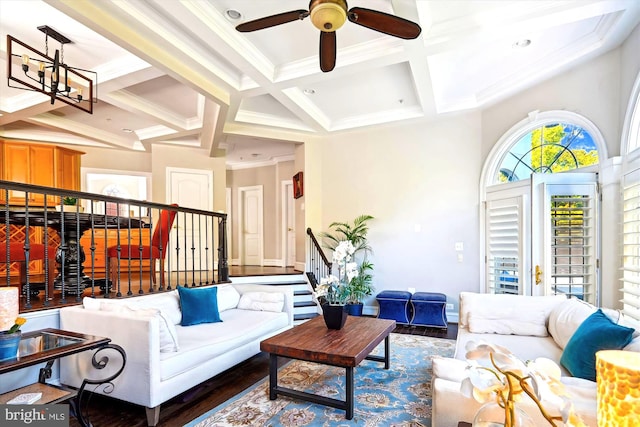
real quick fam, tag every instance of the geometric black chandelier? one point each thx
(37, 71)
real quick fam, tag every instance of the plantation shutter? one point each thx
(504, 245)
(631, 244)
(572, 244)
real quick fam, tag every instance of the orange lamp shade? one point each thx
(618, 378)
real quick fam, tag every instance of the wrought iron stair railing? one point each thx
(318, 264)
(84, 234)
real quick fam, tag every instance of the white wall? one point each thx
(420, 183)
(426, 176)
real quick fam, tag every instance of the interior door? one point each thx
(190, 188)
(251, 231)
(289, 220)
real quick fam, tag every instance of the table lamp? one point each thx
(9, 306)
(618, 379)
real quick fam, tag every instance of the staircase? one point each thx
(303, 306)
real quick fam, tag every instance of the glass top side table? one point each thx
(48, 345)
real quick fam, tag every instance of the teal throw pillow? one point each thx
(596, 333)
(199, 305)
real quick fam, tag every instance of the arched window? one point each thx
(548, 148)
(541, 227)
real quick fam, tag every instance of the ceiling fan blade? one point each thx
(272, 21)
(384, 23)
(327, 51)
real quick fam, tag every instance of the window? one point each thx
(631, 244)
(541, 208)
(631, 208)
(548, 148)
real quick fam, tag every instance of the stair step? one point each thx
(304, 304)
(302, 293)
(305, 316)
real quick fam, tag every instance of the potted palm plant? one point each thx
(359, 286)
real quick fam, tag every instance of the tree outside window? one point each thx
(551, 148)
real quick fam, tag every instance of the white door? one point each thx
(507, 221)
(541, 236)
(250, 212)
(565, 257)
(191, 188)
(288, 225)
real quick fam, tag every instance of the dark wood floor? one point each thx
(105, 412)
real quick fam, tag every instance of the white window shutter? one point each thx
(504, 245)
(631, 244)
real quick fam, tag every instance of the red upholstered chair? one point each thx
(36, 252)
(133, 252)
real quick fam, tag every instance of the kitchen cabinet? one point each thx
(38, 164)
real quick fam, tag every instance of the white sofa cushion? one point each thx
(228, 297)
(262, 301)
(509, 321)
(247, 327)
(168, 334)
(167, 302)
(565, 318)
(486, 304)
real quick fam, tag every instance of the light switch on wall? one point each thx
(459, 246)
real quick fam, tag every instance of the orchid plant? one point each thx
(495, 373)
(334, 289)
(350, 247)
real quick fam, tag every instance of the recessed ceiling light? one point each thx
(232, 14)
(126, 130)
(522, 43)
(309, 92)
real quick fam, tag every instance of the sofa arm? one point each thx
(138, 336)
(284, 289)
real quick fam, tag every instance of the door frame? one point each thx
(286, 191)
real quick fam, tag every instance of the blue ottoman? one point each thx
(394, 305)
(429, 309)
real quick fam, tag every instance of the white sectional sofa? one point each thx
(164, 358)
(530, 327)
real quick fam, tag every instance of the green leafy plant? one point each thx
(70, 201)
(356, 233)
(360, 286)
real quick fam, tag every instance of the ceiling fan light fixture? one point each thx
(328, 16)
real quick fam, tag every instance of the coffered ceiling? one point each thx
(178, 73)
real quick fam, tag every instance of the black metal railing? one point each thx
(103, 245)
(318, 265)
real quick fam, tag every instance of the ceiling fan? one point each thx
(328, 16)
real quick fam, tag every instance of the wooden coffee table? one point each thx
(312, 341)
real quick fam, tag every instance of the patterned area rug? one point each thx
(400, 396)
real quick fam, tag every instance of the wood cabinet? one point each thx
(38, 164)
(103, 239)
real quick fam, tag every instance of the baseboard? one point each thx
(300, 266)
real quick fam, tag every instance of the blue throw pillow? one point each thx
(199, 305)
(596, 333)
